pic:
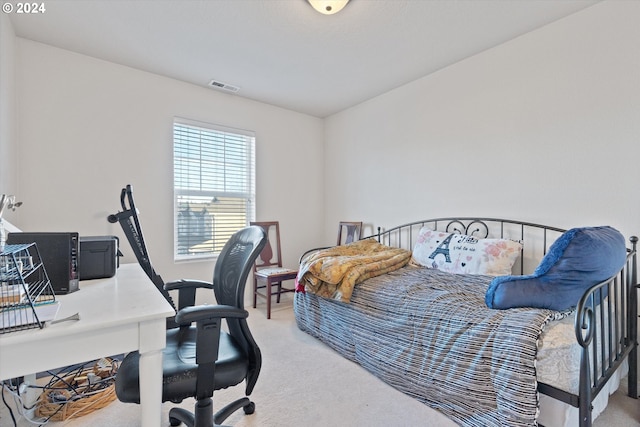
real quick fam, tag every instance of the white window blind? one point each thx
(214, 186)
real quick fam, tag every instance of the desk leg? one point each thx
(152, 338)
(151, 388)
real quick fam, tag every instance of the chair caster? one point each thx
(179, 416)
(250, 408)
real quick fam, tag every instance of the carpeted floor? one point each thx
(303, 382)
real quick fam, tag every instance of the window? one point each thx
(214, 186)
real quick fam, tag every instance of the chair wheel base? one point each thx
(249, 409)
(204, 417)
(178, 416)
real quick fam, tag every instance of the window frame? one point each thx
(247, 151)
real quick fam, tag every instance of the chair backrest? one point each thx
(350, 230)
(271, 256)
(229, 280)
(234, 265)
(130, 224)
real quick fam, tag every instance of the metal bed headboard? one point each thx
(536, 238)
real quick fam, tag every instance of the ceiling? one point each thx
(284, 53)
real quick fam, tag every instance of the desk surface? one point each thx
(111, 312)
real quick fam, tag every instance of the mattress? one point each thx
(475, 374)
(558, 364)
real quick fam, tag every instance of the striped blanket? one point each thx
(430, 335)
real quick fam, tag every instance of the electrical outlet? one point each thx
(13, 382)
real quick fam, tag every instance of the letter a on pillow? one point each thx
(579, 259)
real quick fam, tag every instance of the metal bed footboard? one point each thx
(607, 331)
(606, 327)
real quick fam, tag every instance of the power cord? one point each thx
(63, 388)
(13, 418)
(16, 392)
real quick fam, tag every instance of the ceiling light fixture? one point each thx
(328, 7)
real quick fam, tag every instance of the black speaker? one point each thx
(59, 252)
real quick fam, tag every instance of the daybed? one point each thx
(492, 322)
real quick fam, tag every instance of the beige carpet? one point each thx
(304, 383)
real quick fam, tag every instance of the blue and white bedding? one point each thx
(430, 335)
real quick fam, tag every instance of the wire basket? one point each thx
(27, 298)
(80, 392)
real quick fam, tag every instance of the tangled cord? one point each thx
(14, 390)
(66, 386)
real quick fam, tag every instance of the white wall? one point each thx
(88, 127)
(544, 128)
(8, 140)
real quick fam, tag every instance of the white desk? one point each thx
(117, 315)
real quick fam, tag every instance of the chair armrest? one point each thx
(187, 290)
(205, 312)
(186, 284)
(208, 319)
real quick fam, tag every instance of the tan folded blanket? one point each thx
(332, 273)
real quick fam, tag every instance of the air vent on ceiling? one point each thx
(216, 84)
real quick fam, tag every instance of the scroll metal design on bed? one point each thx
(605, 344)
(607, 331)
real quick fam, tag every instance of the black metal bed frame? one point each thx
(607, 333)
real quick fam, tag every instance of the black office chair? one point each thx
(199, 357)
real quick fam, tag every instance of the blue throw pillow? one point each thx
(577, 260)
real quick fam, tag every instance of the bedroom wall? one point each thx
(88, 127)
(8, 141)
(544, 128)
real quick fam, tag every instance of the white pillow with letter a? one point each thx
(462, 254)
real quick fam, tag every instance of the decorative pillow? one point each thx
(459, 253)
(577, 260)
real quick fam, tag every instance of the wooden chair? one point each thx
(268, 270)
(352, 232)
